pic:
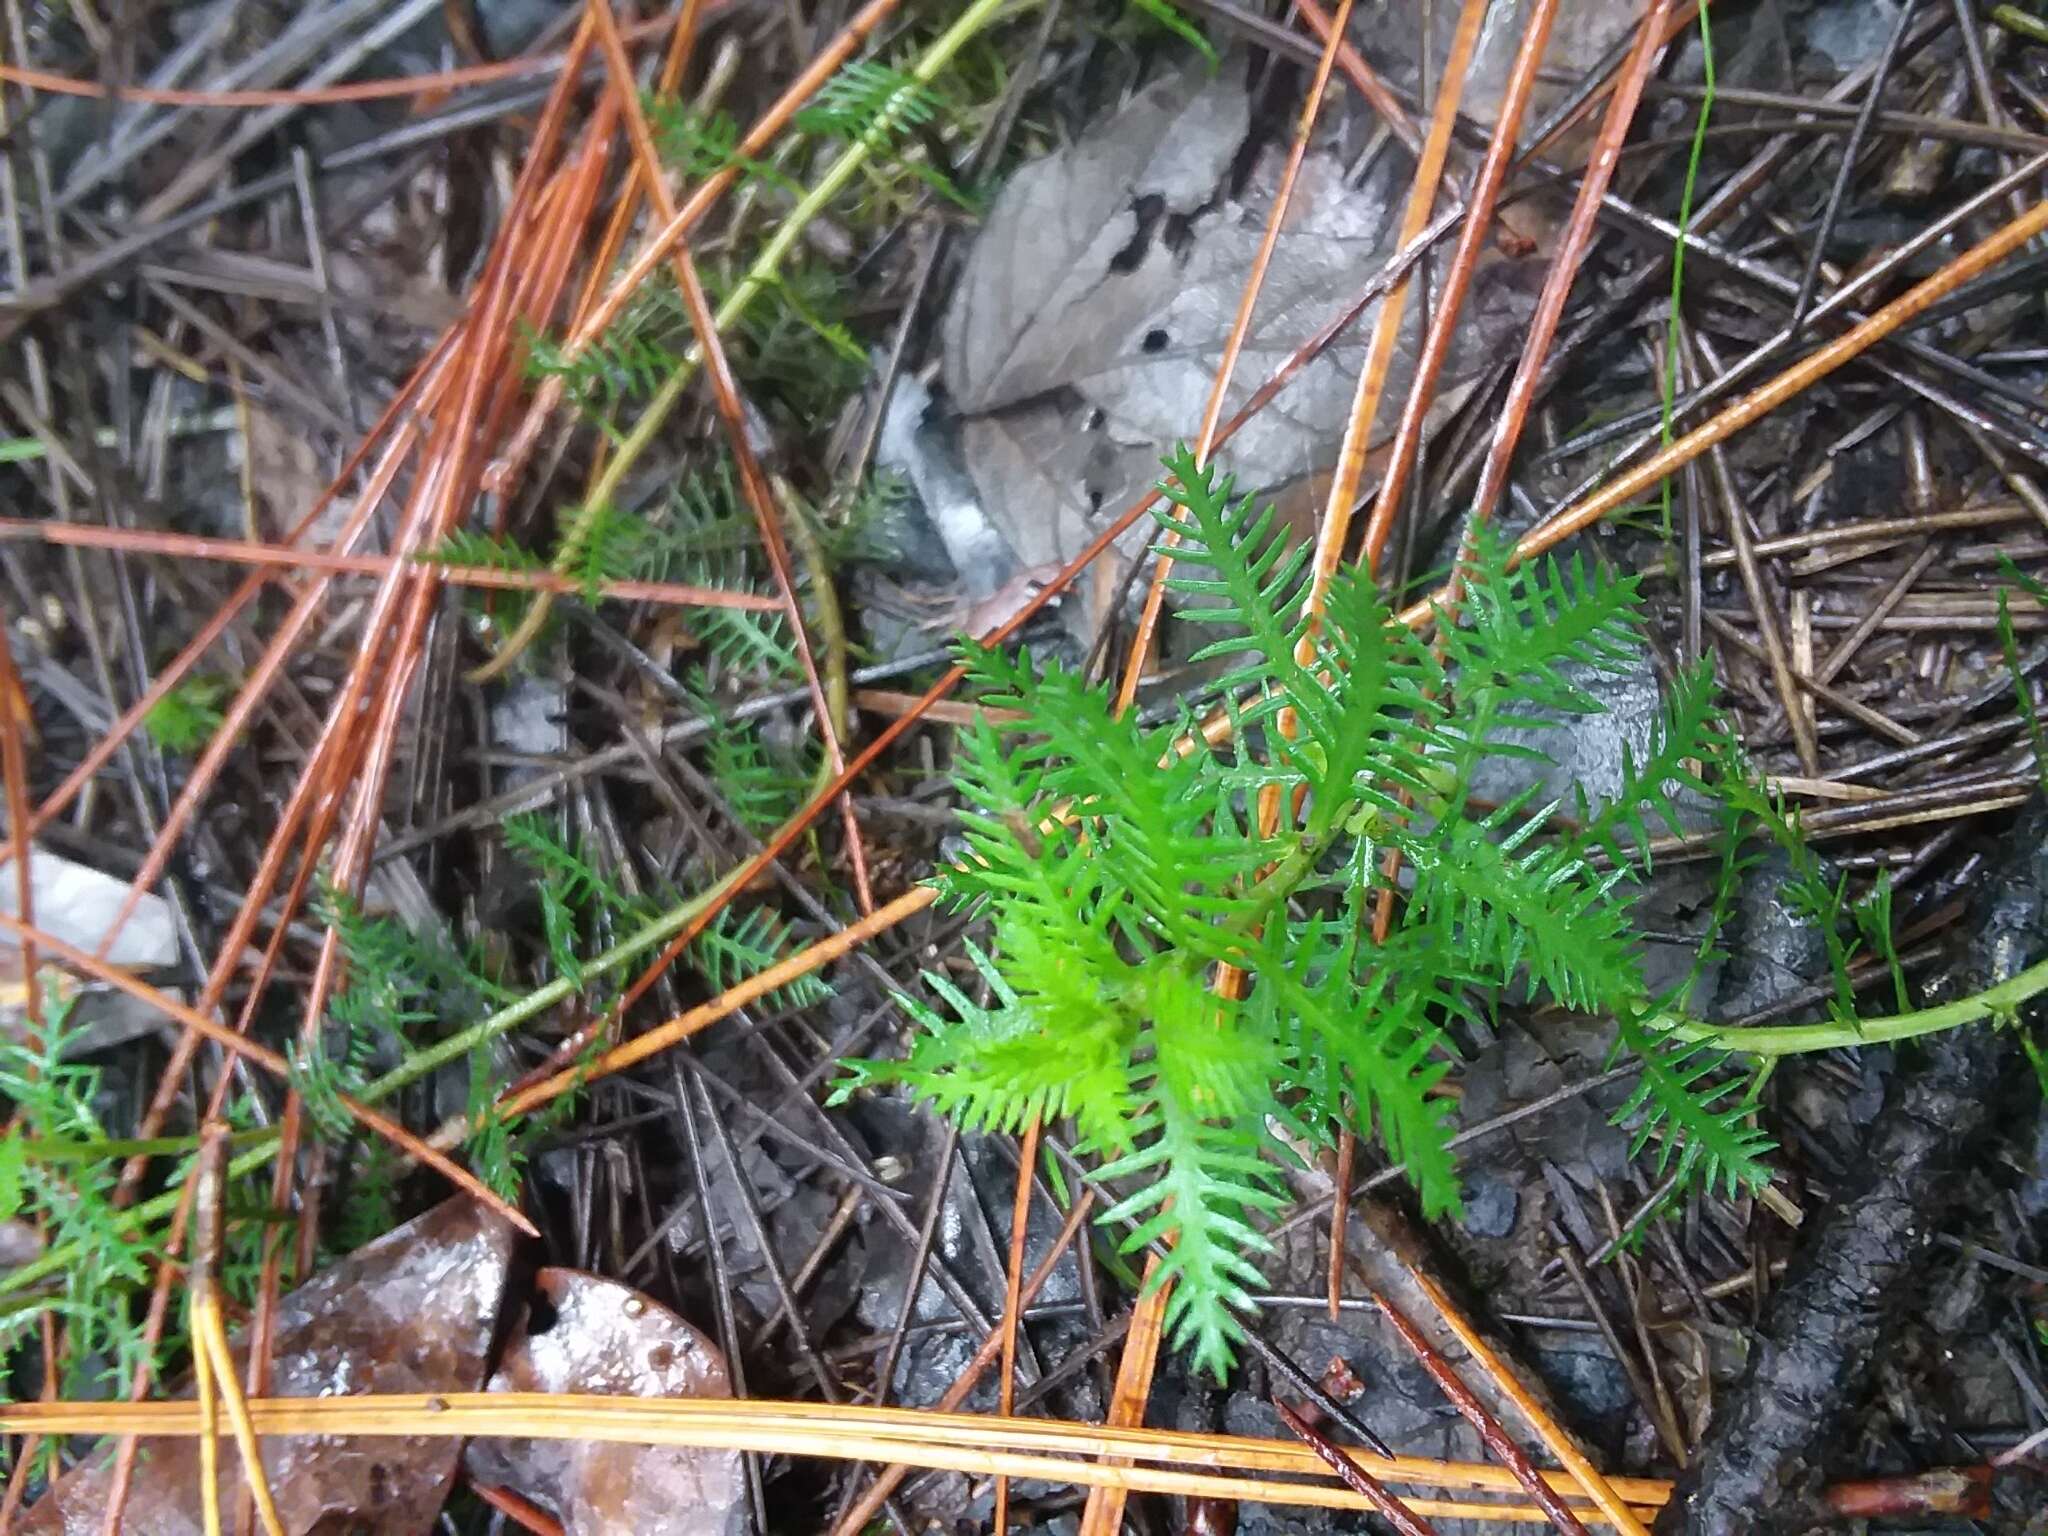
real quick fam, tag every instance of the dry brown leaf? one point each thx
(412, 1312)
(594, 1335)
(1094, 309)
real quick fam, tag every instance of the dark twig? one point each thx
(1356, 1478)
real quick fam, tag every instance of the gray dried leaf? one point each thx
(606, 1338)
(1070, 246)
(1096, 304)
(77, 904)
(412, 1312)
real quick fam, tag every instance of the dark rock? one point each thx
(1587, 1380)
(1491, 1203)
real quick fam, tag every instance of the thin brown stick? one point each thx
(1560, 1444)
(1497, 1439)
(1571, 251)
(1013, 1300)
(1736, 515)
(1389, 1508)
(392, 89)
(185, 546)
(1479, 208)
(1386, 329)
(14, 723)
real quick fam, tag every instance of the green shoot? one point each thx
(1668, 391)
(1164, 14)
(187, 717)
(2023, 690)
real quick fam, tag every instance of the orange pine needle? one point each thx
(725, 394)
(1233, 346)
(310, 96)
(1013, 1300)
(185, 546)
(1802, 375)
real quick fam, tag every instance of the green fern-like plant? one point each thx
(1120, 872)
(71, 1200)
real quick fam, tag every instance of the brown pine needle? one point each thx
(393, 89)
(186, 546)
(1389, 1508)
(1479, 207)
(1598, 1488)
(1013, 1300)
(1466, 1401)
(1386, 326)
(1571, 251)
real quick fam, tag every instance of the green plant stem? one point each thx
(2013, 19)
(764, 269)
(830, 619)
(413, 1068)
(1798, 1039)
(458, 1046)
(52, 1150)
(655, 414)
(1669, 382)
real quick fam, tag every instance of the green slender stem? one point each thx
(765, 267)
(830, 619)
(2013, 19)
(1797, 1039)
(1668, 384)
(56, 1150)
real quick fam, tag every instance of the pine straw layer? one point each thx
(1165, 1461)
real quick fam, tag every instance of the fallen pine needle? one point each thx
(1166, 1461)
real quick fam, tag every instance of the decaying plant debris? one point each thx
(492, 492)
